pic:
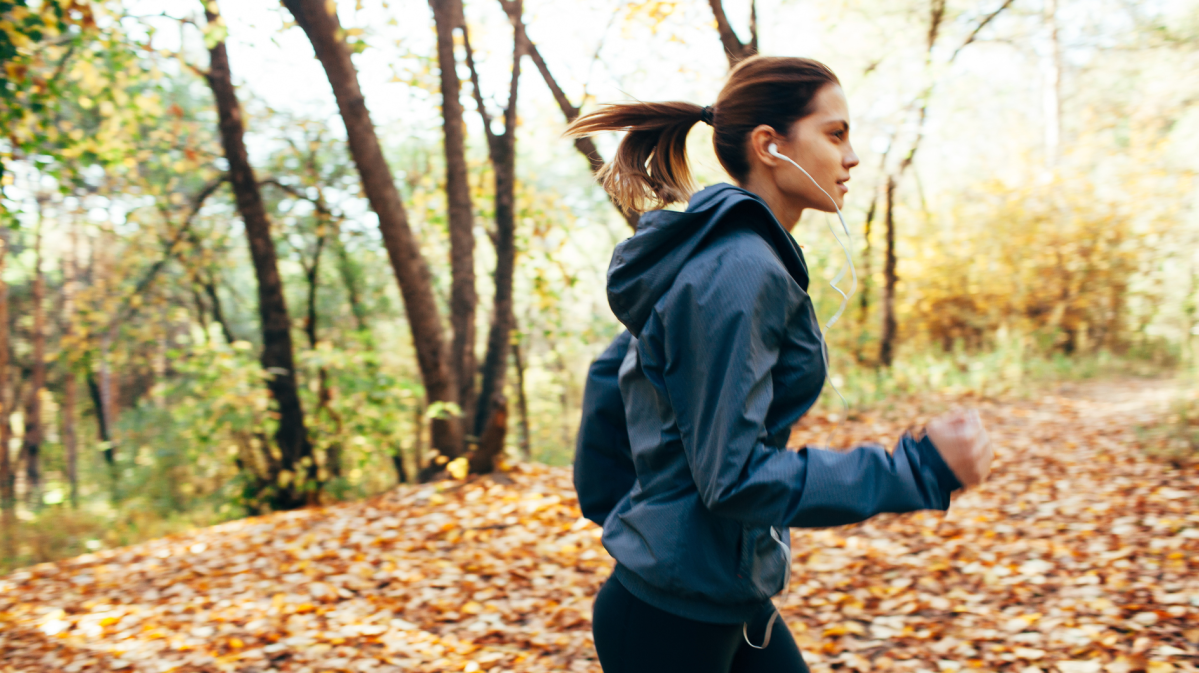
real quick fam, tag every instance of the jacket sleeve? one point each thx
(722, 330)
(603, 465)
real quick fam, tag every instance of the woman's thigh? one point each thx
(632, 636)
(781, 655)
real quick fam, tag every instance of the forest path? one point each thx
(1080, 555)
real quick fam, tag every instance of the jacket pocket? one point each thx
(764, 563)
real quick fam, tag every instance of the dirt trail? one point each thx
(1080, 556)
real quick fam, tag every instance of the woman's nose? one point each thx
(851, 159)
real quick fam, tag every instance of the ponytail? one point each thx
(650, 168)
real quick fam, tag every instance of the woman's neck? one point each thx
(783, 208)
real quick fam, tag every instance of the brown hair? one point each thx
(650, 168)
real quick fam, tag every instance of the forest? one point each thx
(313, 255)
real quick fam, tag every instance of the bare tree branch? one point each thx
(977, 29)
(476, 89)
(734, 49)
(937, 16)
(753, 26)
(171, 250)
(318, 203)
(585, 145)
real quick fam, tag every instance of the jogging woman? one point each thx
(682, 452)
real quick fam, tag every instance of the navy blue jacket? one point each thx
(681, 455)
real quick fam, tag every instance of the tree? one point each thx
(867, 262)
(319, 21)
(937, 8)
(491, 420)
(31, 448)
(522, 403)
(7, 481)
(327, 230)
(294, 478)
(464, 300)
(70, 376)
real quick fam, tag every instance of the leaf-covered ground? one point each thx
(1079, 556)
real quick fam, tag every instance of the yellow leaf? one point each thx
(458, 468)
(1160, 667)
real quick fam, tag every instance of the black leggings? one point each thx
(632, 636)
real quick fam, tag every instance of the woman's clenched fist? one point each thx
(962, 441)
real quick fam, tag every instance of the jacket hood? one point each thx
(644, 266)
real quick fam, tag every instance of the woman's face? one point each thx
(820, 143)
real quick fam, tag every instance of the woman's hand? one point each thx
(962, 441)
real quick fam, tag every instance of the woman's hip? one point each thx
(632, 636)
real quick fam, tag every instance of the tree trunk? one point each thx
(106, 399)
(70, 378)
(7, 476)
(70, 440)
(324, 392)
(491, 439)
(867, 272)
(502, 150)
(201, 314)
(312, 275)
(409, 266)
(397, 461)
(294, 489)
(33, 409)
(868, 258)
(418, 449)
(349, 277)
(447, 15)
(886, 349)
(93, 388)
(521, 401)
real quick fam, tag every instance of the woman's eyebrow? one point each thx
(844, 125)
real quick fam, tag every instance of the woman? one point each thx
(681, 455)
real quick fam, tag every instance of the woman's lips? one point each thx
(844, 187)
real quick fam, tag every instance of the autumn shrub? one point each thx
(1056, 262)
(1175, 438)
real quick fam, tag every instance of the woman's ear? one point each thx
(760, 140)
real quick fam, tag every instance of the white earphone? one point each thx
(773, 149)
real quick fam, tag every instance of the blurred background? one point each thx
(218, 301)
